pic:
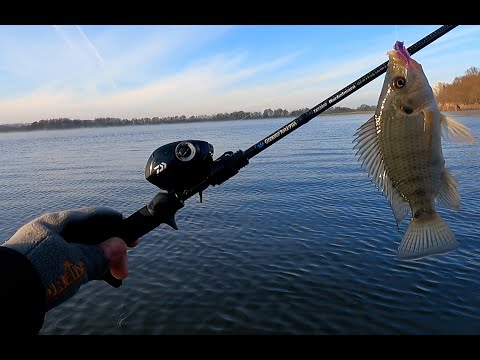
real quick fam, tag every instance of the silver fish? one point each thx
(400, 147)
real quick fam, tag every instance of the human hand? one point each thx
(72, 247)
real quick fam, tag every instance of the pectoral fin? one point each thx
(453, 131)
(368, 150)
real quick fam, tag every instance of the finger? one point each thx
(85, 225)
(80, 215)
(115, 251)
(119, 269)
(133, 244)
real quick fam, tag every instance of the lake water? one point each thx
(300, 241)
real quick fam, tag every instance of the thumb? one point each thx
(115, 250)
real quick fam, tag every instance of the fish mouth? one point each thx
(400, 53)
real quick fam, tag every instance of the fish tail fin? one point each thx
(426, 236)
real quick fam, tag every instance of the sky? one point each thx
(134, 71)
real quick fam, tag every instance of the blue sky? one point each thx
(84, 72)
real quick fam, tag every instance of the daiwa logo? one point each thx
(160, 167)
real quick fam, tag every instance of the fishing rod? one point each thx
(340, 95)
(184, 168)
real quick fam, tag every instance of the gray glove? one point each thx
(63, 247)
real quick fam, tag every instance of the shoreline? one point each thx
(8, 128)
(26, 127)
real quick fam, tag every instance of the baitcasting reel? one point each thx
(180, 165)
(185, 168)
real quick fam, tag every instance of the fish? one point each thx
(400, 147)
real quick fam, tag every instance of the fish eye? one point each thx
(399, 82)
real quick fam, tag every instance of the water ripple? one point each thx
(298, 242)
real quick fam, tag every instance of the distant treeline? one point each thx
(462, 94)
(66, 123)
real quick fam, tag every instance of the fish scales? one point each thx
(401, 149)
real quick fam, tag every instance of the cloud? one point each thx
(203, 87)
(41, 104)
(176, 71)
(91, 46)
